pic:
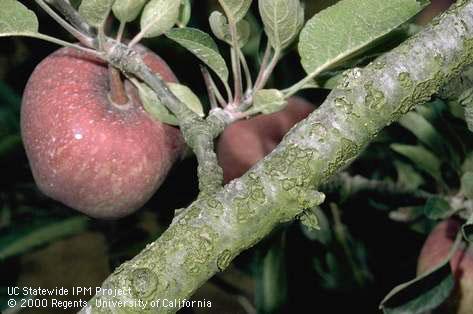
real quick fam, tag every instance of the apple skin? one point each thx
(246, 142)
(435, 249)
(103, 160)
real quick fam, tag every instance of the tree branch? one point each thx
(198, 133)
(83, 38)
(71, 14)
(206, 236)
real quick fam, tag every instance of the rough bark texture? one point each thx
(207, 235)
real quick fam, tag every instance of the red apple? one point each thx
(435, 249)
(246, 142)
(102, 159)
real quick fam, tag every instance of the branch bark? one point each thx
(206, 236)
(198, 133)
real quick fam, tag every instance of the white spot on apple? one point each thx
(78, 136)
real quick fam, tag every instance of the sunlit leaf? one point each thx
(421, 294)
(159, 16)
(185, 11)
(235, 9)
(347, 27)
(282, 19)
(128, 10)
(187, 96)
(16, 18)
(95, 12)
(202, 46)
(158, 110)
(267, 101)
(153, 105)
(221, 29)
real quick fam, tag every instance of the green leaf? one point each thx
(16, 18)
(267, 101)
(466, 100)
(221, 29)
(95, 12)
(219, 26)
(333, 81)
(437, 208)
(328, 269)
(282, 19)
(421, 157)
(421, 294)
(468, 163)
(158, 110)
(202, 46)
(185, 11)
(467, 184)
(347, 27)
(128, 10)
(309, 219)
(424, 131)
(159, 16)
(235, 10)
(271, 280)
(185, 94)
(153, 105)
(407, 176)
(252, 47)
(21, 240)
(467, 229)
(323, 234)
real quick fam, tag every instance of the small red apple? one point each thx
(100, 158)
(245, 142)
(435, 250)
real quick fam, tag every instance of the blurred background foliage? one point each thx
(368, 243)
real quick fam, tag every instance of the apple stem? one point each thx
(198, 133)
(117, 89)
